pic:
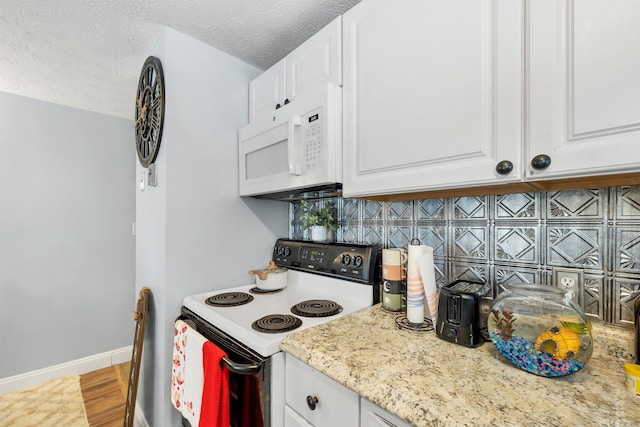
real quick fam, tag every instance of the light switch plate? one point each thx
(152, 178)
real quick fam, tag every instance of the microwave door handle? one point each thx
(294, 166)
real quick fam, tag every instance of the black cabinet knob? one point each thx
(286, 101)
(504, 167)
(312, 401)
(540, 162)
(278, 105)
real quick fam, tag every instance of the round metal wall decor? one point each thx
(149, 111)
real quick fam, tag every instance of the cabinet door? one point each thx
(293, 419)
(320, 400)
(584, 86)
(374, 416)
(317, 60)
(433, 94)
(267, 90)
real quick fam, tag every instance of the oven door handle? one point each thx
(236, 368)
(241, 368)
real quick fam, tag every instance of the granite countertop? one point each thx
(427, 381)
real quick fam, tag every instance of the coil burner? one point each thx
(316, 308)
(259, 291)
(229, 299)
(275, 323)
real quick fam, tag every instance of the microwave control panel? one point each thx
(313, 139)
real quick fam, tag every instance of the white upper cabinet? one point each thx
(266, 91)
(317, 60)
(432, 94)
(583, 95)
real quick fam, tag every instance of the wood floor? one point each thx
(105, 395)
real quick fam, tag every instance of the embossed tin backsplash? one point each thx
(514, 238)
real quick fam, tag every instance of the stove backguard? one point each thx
(347, 261)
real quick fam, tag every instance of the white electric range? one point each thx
(325, 282)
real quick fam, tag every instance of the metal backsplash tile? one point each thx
(470, 243)
(430, 209)
(516, 244)
(576, 204)
(505, 274)
(628, 203)
(625, 290)
(517, 206)
(576, 246)
(627, 257)
(372, 209)
(593, 301)
(514, 238)
(434, 236)
(474, 207)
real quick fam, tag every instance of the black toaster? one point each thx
(459, 318)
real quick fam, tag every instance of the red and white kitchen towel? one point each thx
(199, 384)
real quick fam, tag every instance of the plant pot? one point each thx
(318, 233)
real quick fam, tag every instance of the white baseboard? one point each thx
(138, 418)
(75, 367)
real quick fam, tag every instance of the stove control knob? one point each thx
(312, 401)
(279, 251)
(346, 259)
(287, 251)
(357, 261)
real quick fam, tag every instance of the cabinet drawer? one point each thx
(336, 405)
(374, 416)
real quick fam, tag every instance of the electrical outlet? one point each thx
(567, 281)
(570, 280)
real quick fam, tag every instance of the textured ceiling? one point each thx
(88, 53)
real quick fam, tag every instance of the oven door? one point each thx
(249, 375)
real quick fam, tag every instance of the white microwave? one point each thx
(295, 149)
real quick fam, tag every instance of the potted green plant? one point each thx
(318, 220)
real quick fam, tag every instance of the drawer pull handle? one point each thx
(504, 167)
(540, 162)
(312, 401)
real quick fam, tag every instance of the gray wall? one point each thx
(516, 238)
(194, 233)
(66, 247)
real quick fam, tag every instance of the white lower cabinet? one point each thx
(375, 416)
(293, 419)
(314, 399)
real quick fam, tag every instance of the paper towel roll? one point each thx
(415, 288)
(428, 273)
